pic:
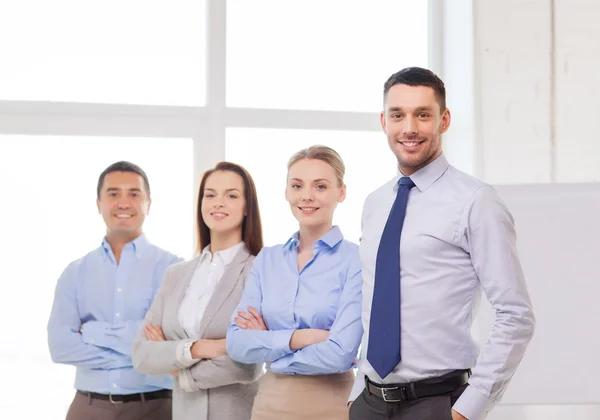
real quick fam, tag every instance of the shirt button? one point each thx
(119, 290)
(118, 314)
(114, 385)
(93, 340)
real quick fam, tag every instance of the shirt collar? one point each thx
(139, 244)
(427, 175)
(330, 239)
(225, 255)
(292, 243)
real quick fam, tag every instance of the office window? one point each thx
(265, 152)
(49, 218)
(110, 51)
(320, 55)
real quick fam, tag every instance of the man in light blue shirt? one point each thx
(453, 237)
(100, 302)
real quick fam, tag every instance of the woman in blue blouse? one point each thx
(301, 307)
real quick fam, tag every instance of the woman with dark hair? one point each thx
(184, 331)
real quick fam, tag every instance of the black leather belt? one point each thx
(123, 398)
(420, 389)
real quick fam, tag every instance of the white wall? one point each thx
(577, 61)
(537, 67)
(531, 71)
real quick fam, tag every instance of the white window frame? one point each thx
(205, 125)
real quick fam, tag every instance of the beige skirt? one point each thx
(301, 397)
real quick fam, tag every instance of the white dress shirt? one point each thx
(207, 275)
(458, 237)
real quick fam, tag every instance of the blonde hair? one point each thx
(325, 154)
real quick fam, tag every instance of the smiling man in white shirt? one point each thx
(432, 237)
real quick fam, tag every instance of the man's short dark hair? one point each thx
(123, 166)
(417, 76)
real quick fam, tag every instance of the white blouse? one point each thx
(208, 273)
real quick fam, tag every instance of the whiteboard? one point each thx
(558, 238)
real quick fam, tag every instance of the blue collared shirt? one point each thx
(108, 302)
(325, 294)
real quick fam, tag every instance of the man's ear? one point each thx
(446, 119)
(383, 122)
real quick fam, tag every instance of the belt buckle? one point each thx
(402, 393)
(113, 401)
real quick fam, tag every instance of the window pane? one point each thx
(320, 55)
(109, 51)
(265, 152)
(49, 218)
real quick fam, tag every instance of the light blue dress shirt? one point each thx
(109, 302)
(458, 238)
(325, 294)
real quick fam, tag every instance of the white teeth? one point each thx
(410, 143)
(124, 216)
(219, 214)
(308, 208)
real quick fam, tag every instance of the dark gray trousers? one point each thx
(86, 408)
(371, 407)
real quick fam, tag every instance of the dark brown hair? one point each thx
(123, 166)
(251, 225)
(417, 76)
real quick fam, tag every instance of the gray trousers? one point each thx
(86, 408)
(371, 407)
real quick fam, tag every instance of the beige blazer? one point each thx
(222, 387)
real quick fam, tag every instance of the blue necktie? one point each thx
(384, 330)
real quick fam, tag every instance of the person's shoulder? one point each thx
(350, 247)
(268, 252)
(249, 261)
(271, 256)
(181, 265)
(76, 267)
(159, 254)
(244, 257)
(351, 255)
(463, 180)
(473, 191)
(382, 190)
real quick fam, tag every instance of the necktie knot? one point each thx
(406, 182)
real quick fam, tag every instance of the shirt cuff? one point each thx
(472, 404)
(281, 343)
(357, 388)
(92, 332)
(184, 353)
(281, 365)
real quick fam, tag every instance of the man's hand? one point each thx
(457, 416)
(251, 320)
(154, 333)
